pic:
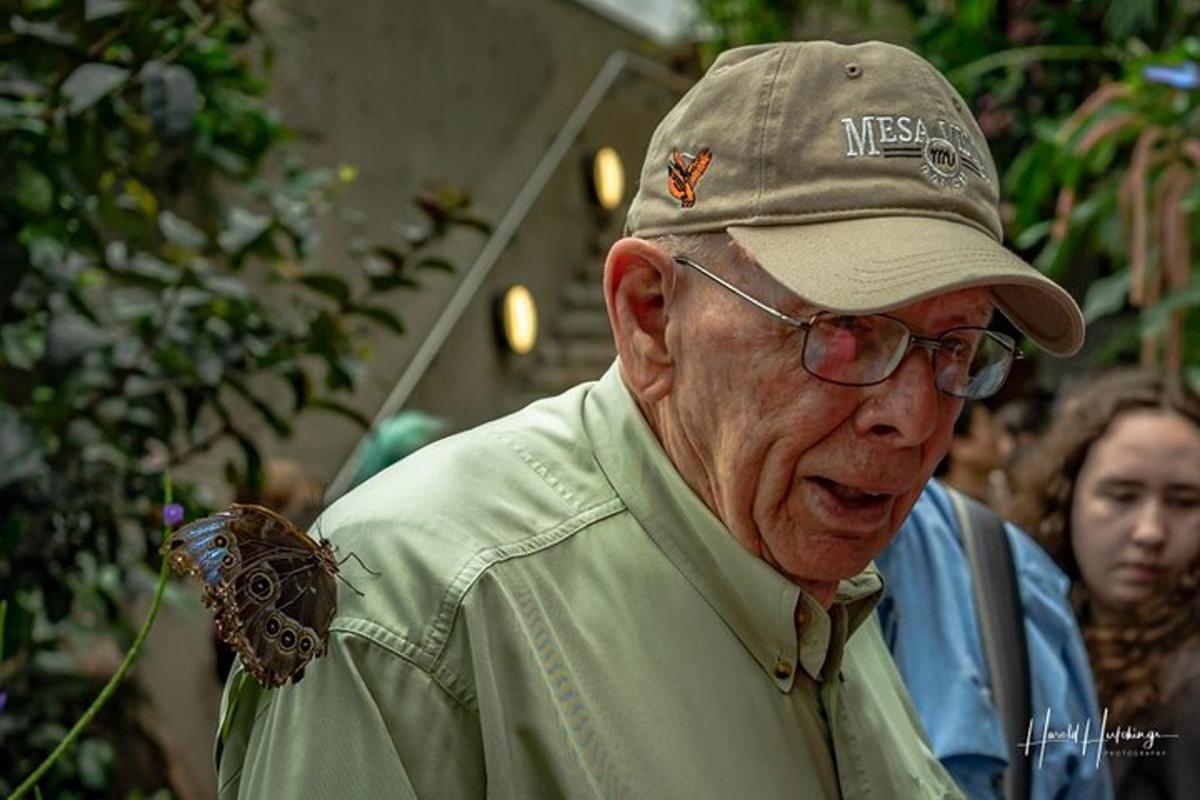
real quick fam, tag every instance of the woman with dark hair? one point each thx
(1113, 494)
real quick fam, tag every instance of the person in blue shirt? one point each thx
(928, 620)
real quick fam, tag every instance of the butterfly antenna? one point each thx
(360, 563)
(353, 588)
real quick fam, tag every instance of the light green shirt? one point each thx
(559, 615)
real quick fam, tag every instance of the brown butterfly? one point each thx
(683, 173)
(272, 587)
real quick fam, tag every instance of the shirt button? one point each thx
(783, 669)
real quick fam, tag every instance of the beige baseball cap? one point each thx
(854, 174)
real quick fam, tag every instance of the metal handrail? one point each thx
(535, 184)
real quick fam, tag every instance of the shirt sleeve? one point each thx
(363, 722)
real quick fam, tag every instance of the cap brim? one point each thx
(875, 264)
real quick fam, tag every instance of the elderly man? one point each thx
(658, 584)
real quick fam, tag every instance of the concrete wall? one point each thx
(471, 92)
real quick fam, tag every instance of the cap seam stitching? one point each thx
(762, 137)
(806, 218)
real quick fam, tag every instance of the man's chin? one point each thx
(828, 565)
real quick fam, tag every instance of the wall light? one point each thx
(518, 319)
(608, 178)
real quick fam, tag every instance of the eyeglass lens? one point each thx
(862, 350)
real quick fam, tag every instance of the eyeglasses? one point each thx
(865, 349)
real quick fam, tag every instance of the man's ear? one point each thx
(639, 281)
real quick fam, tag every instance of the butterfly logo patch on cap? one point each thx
(684, 172)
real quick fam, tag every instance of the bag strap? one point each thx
(1001, 620)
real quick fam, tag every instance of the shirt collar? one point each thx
(755, 602)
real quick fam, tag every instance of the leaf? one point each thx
(209, 369)
(244, 228)
(1156, 317)
(391, 255)
(33, 191)
(46, 31)
(1191, 200)
(384, 283)
(1129, 17)
(298, 379)
(69, 336)
(1049, 260)
(226, 287)
(150, 270)
(89, 83)
(82, 308)
(136, 196)
(339, 375)
(46, 253)
(22, 345)
(20, 452)
(179, 231)
(436, 263)
(24, 116)
(329, 285)
(98, 9)
(1033, 234)
(170, 97)
(133, 302)
(227, 160)
(95, 758)
(253, 475)
(480, 225)
(384, 316)
(1106, 295)
(327, 404)
(1088, 210)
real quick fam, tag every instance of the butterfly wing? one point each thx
(699, 165)
(272, 587)
(678, 186)
(682, 175)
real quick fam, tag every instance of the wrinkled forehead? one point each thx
(971, 306)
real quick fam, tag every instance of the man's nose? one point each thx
(904, 408)
(1149, 528)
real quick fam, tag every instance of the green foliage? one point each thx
(158, 295)
(1126, 171)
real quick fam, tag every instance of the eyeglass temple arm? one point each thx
(779, 315)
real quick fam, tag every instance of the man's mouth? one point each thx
(850, 495)
(853, 510)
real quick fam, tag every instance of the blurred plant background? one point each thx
(1092, 111)
(162, 296)
(159, 298)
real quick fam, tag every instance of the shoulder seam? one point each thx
(438, 633)
(381, 637)
(427, 652)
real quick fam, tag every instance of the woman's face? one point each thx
(1135, 518)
